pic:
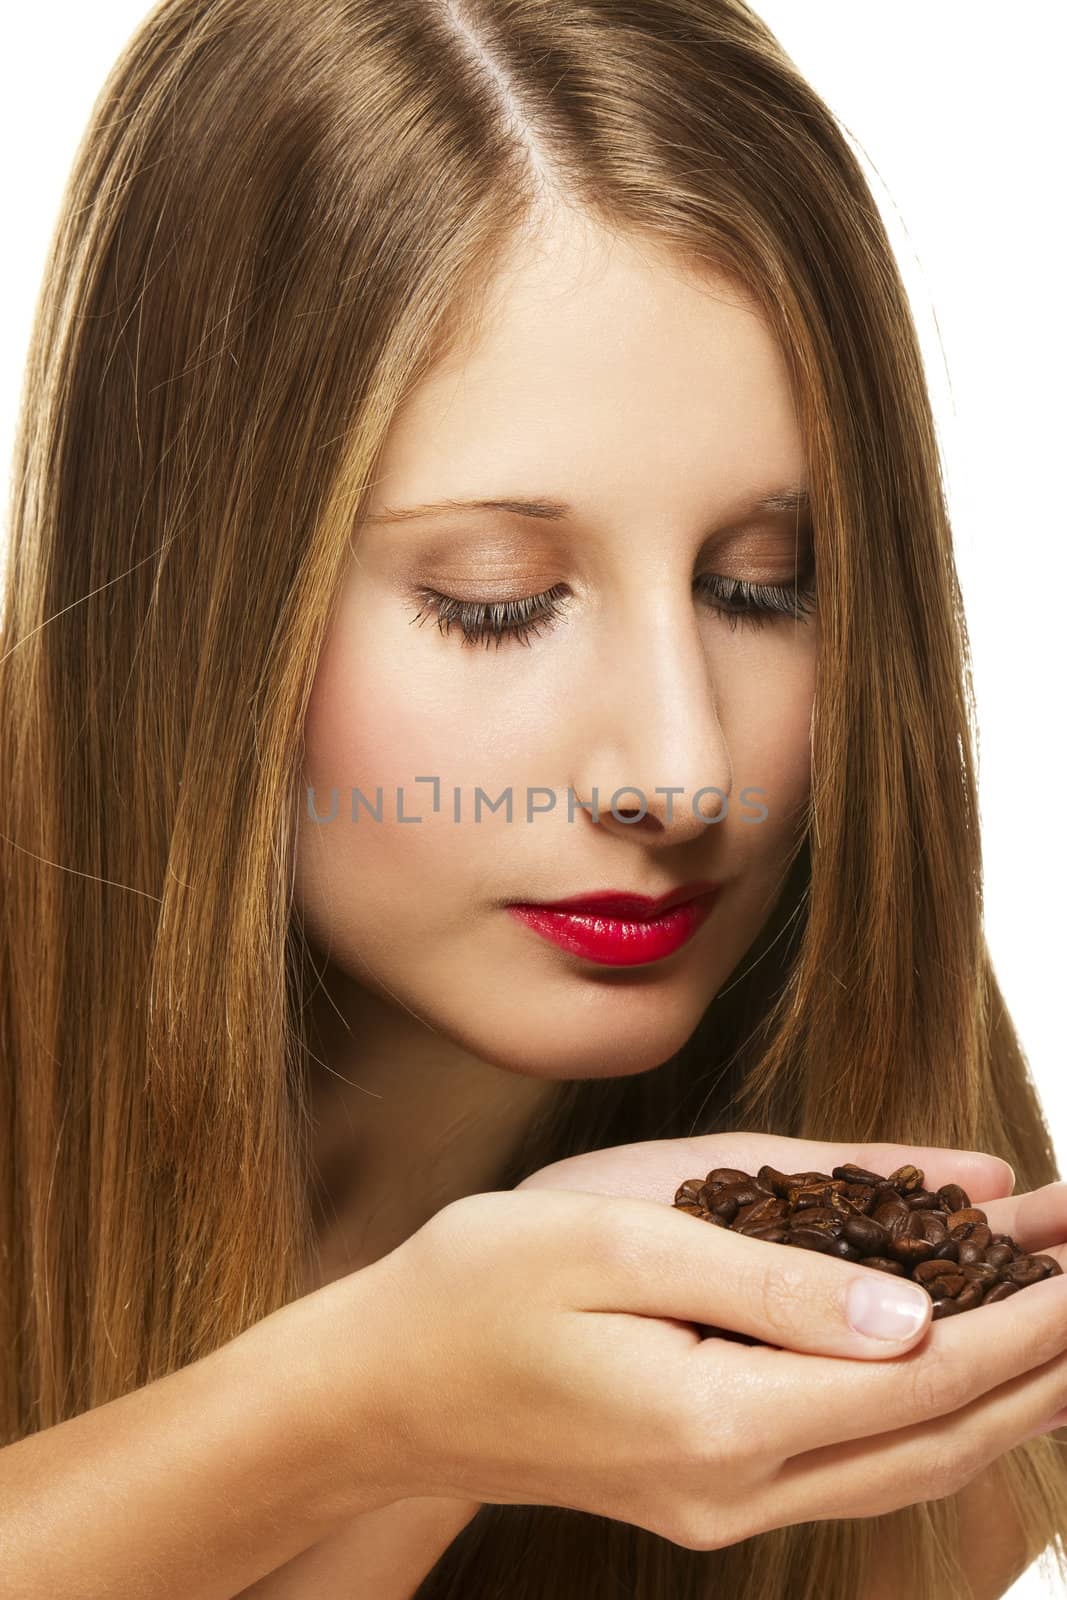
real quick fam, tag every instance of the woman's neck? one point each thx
(404, 1122)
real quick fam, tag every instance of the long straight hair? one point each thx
(281, 214)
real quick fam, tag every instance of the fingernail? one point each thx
(887, 1310)
(1058, 1421)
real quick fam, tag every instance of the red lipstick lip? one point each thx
(621, 930)
(623, 905)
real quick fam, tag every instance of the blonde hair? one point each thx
(280, 216)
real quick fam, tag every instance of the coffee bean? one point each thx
(906, 1179)
(1028, 1269)
(867, 1234)
(1001, 1291)
(980, 1272)
(895, 1225)
(949, 1287)
(776, 1232)
(965, 1214)
(885, 1264)
(969, 1251)
(911, 1250)
(746, 1193)
(727, 1175)
(779, 1183)
(927, 1271)
(764, 1210)
(955, 1198)
(688, 1192)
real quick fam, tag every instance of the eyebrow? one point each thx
(793, 498)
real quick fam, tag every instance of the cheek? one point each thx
(393, 700)
(766, 714)
(373, 726)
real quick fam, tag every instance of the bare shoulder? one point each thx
(994, 1546)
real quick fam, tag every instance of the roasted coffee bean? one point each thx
(884, 1264)
(893, 1225)
(815, 1195)
(927, 1271)
(745, 1193)
(950, 1287)
(821, 1217)
(893, 1216)
(910, 1249)
(723, 1207)
(856, 1196)
(1029, 1269)
(727, 1175)
(965, 1214)
(854, 1174)
(867, 1235)
(949, 1251)
(955, 1198)
(689, 1192)
(1001, 1291)
(764, 1210)
(983, 1272)
(816, 1239)
(779, 1183)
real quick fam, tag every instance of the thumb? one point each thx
(657, 1262)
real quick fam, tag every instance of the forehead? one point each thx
(601, 367)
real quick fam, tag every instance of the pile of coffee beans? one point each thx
(893, 1224)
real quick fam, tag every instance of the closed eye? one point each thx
(482, 621)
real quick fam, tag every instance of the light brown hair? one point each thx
(280, 216)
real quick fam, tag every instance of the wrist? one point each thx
(322, 1362)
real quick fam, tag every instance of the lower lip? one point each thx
(613, 942)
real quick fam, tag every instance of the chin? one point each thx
(601, 1057)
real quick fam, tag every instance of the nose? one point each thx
(653, 758)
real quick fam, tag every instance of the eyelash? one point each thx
(748, 603)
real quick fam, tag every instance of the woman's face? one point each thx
(655, 409)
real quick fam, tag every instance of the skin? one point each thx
(657, 405)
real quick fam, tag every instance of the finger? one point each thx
(1036, 1220)
(869, 1477)
(653, 1260)
(984, 1177)
(807, 1402)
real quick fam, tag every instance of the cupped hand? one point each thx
(654, 1169)
(570, 1306)
(1035, 1220)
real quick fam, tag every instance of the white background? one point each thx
(952, 106)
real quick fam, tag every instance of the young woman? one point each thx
(476, 456)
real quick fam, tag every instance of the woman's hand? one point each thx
(653, 1169)
(546, 1351)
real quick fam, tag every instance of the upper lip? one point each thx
(620, 903)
